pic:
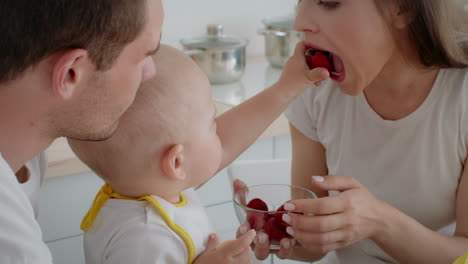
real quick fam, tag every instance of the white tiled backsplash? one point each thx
(188, 18)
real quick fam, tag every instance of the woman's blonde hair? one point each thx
(438, 31)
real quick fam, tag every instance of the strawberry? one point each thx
(258, 204)
(319, 59)
(256, 219)
(279, 217)
(274, 231)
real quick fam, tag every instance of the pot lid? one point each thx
(280, 23)
(215, 38)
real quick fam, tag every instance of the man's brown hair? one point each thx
(33, 30)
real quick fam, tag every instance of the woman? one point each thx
(392, 124)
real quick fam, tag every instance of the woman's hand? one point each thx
(337, 221)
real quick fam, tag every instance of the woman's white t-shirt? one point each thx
(414, 164)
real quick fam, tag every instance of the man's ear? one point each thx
(68, 71)
(173, 163)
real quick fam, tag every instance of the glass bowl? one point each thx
(260, 206)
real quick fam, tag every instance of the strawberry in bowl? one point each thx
(261, 206)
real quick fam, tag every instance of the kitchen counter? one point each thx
(258, 75)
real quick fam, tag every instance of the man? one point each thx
(67, 68)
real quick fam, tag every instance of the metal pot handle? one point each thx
(266, 32)
(194, 52)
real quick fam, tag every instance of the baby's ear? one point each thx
(173, 163)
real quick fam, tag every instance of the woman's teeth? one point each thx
(337, 73)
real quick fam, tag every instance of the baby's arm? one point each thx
(239, 127)
(145, 244)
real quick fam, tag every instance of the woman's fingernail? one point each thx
(290, 231)
(318, 83)
(318, 178)
(243, 229)
(289, 207)
(286, 244)
(262, 238)
(286, 218)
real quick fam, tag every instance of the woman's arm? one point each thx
(410, 242)
(308, 159)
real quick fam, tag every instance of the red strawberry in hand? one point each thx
(317, 60)
(257, 219)
(274, 231)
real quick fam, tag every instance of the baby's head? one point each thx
(166, 141)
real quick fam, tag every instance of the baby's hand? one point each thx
(229, 252)
(296, 74)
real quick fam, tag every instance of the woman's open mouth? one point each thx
(324, 59)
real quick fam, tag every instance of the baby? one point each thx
(167, 144)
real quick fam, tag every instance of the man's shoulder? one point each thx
(5, 169)
(20, 234)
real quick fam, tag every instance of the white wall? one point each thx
(186, 18)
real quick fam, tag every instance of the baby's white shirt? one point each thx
(128, 231)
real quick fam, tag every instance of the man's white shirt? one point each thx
(20, 234)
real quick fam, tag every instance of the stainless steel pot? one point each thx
(222, 58)
(280, 39)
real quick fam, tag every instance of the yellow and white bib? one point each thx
(145, 230)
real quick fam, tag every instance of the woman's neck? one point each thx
(401, 87)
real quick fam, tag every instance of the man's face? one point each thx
(107, 95)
